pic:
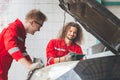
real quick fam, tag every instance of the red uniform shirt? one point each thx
(58, 48)
(12, 46)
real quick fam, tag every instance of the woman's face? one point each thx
(71, 33)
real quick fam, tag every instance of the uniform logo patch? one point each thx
(60, 49)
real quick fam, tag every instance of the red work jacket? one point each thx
(12, 46)
(58, 48)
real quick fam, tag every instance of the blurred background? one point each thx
(36, 44)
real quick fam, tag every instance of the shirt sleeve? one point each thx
(50, 52)
(12, 44)
(78, 50)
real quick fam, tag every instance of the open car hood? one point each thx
(97, 20)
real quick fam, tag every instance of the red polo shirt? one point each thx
(58, 48)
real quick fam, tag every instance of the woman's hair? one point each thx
(64, 30)
(35, 14)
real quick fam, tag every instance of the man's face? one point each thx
(35, 26)
(71, 33)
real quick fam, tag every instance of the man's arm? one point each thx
(30, 65)
(25, 62)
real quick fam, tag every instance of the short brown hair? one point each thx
(36, 14)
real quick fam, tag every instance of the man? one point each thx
(12, 42)
(63, 48)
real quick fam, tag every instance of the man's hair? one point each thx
(63, 32)
(35, 14)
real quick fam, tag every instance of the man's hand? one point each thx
(73, 56)
(70, 57)
(36, 65)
